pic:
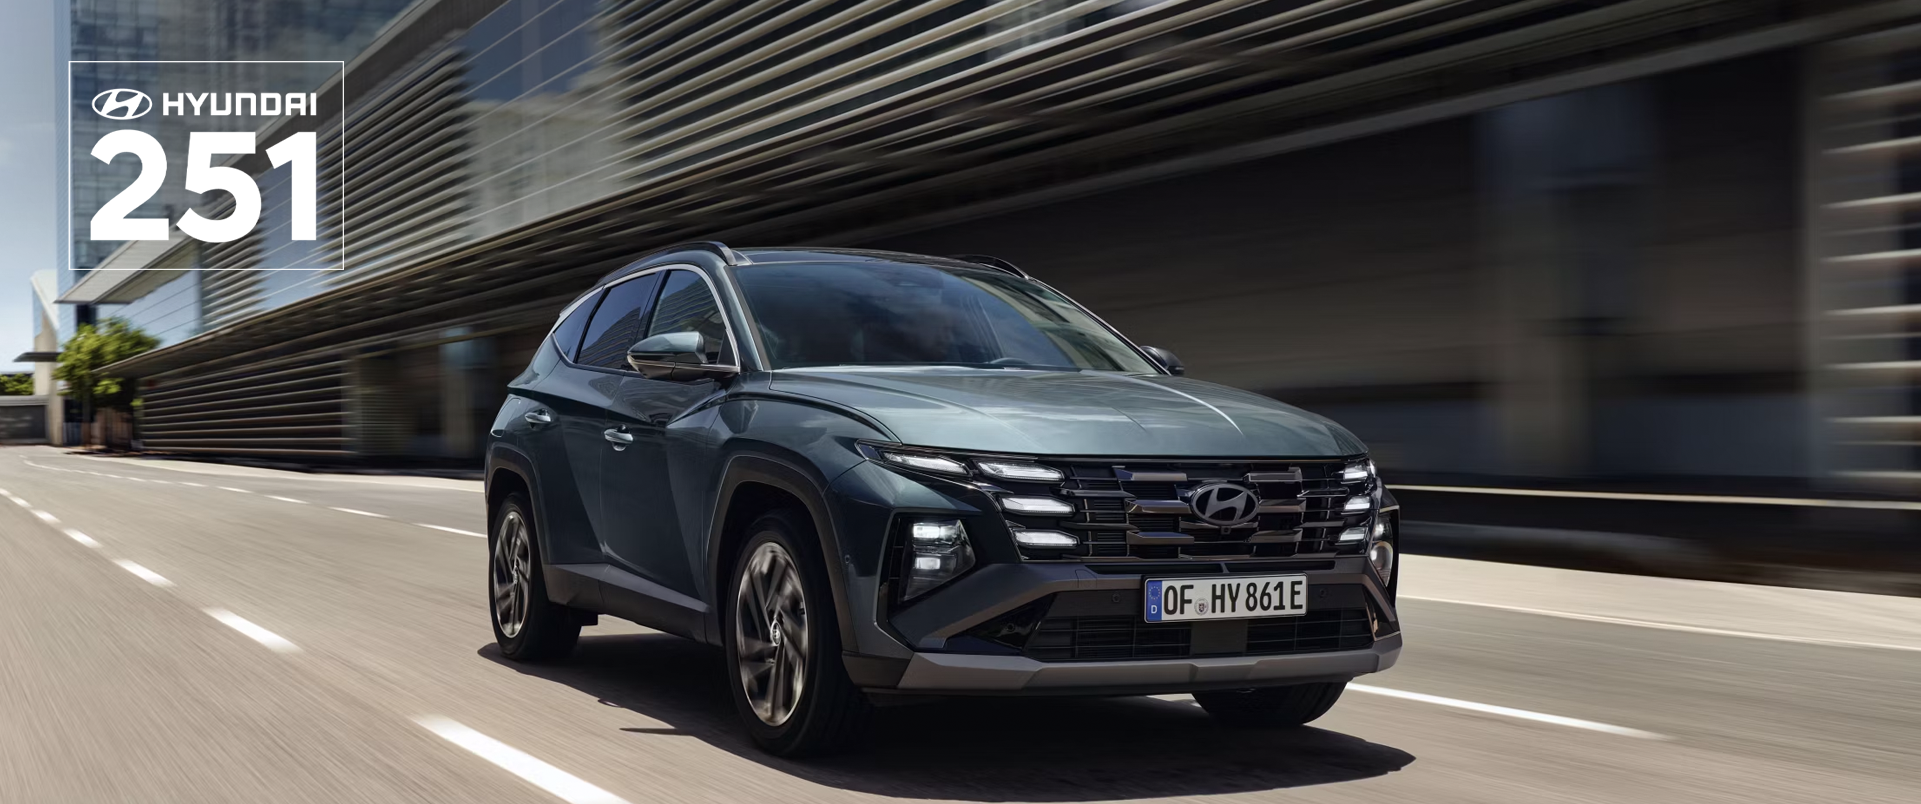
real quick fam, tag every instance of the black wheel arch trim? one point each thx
(803, 484)
(503, 458)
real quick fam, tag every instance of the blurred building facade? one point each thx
(1641, 241)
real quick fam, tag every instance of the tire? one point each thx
(826, 712)
(545, 630)
(1278, 707)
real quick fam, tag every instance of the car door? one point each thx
(558, 403)
(599, 368)
(649, 483)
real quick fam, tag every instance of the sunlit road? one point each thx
(193, 633)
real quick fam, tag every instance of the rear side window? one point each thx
(567, 335)
(617, 324)
(686, 305)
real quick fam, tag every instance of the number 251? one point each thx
(112, 223)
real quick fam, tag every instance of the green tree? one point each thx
(16, 385)
(85, 356)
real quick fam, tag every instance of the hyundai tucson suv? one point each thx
(873, 477)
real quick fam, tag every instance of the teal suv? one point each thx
(873, 477)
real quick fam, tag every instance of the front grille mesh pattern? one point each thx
(1121, 509)
(1123, 638)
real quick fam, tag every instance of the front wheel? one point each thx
(527, 626)
(1272, 706)
(783, 643)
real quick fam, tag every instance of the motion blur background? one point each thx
(1661, 247)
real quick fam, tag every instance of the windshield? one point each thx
(824, 314)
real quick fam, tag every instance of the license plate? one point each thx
(1181, 599)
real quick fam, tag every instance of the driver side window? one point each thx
(686, 305)
(616, 324)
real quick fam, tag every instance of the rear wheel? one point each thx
(783, 643)
(1272, 706)
(527, 626)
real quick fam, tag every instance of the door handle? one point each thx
(538, 417)
(617, 438)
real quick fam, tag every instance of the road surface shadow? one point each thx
(973, 749)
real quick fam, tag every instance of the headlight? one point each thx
(1358, 470)
(1045, 539)
(1039, 506)
(1357, 505)
(937, 552)
(926, 463)
(1353, 534)
(1030, 472)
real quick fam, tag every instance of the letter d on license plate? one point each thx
(1179, 599)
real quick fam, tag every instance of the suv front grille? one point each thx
(1144, 509)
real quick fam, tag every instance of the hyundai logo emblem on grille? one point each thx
(122, 104)
(1223, 504)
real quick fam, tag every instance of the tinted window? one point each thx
(686, 305)
(567, 335)
(892, 314)
(617, 324)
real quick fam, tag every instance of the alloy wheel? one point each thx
(770, 633)
(512, 581)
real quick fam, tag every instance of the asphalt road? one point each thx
(185, 633)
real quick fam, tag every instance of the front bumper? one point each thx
(1012, 675)
(1065, 629)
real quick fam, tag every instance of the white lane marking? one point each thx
(195, 485)
(358, 511)
(143, 573)
(45, 517)
(564, 785)
(286, 499)
(452, 530)
(1691, 629)
(1504, 711)
(81, 538)
(1802, 502)
(273, 641)
(19, 502)
(230, 488)
(135, 479)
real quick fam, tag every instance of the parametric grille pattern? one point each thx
(1147, 509)
(1086, 639)
(1094, 626)
(293, 408)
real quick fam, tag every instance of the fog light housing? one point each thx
(937, 552)
(1380, 555)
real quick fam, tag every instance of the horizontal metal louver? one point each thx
(404, 173)
(294, 407)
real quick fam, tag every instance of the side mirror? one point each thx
(1166, 359)
(675, 356)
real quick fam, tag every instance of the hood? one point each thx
(1071, 412)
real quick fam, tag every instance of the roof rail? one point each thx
(714, 247)
(992, 262)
